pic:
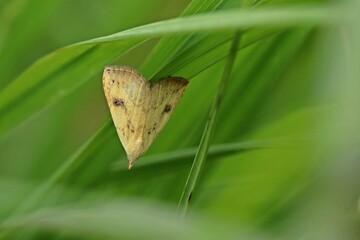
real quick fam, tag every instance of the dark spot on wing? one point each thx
(167, 108)
(118, 102)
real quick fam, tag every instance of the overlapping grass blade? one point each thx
(113, 144)
(79, 62)
(168, 47)
(86, 51)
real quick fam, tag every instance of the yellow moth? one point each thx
(139, 108)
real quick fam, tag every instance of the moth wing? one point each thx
(165, 96)
(125, 90)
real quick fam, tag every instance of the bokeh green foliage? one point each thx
(63, 170)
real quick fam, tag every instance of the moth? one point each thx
(139, 108)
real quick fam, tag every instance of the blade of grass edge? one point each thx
(230, 20)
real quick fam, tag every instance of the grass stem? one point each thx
(206, 138)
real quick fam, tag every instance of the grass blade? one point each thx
(208, 133)
(168, 47)
(230, 20)
(218, 150)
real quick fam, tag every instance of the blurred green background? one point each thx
(284, 159)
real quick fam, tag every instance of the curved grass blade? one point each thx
(229, 20)
(215, 151)
(54, 77)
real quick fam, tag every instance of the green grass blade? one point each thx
(230, 19)
(15, 27)
(54, 77)
(208, 133)
(168, 47)
(210, 51)
(216, 151)
(282, 49)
